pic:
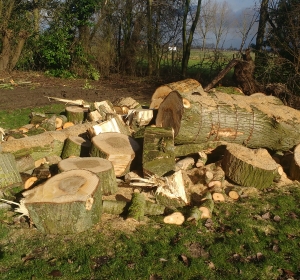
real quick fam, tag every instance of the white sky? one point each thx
(240, 4)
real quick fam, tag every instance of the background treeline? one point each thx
(95, 38)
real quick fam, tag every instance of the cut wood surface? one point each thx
(42, 145)
(184, 86)
(76, 146)
(69, 202)
(257, 121)
(9, 174)
(249, 167)
(118, 148)
(102, 167)
(295, 164)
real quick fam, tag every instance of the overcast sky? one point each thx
(240, 4)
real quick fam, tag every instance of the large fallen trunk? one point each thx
(256, 121)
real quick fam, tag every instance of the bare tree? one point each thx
(205, 22)
(221, 13)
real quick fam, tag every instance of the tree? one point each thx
(187, 35)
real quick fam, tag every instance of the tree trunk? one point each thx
(76, 146)
(70, 202)
(256, 121)
(102, 167)
(295, 164)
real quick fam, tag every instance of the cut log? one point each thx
(127, 102)
(184, 86)
(67, 124)
(136, 210)
(37, 118)
(158, 151)
(118, 148)
(256, 121)
(9, 174)
(232, 192)
(70, 202)
(95, 116)
(60, 121)
(46, 144)
(29, 182)
(105, 108)
(49, 124)
(117, 207)
(185, 164)
(102, 167)
(295, 164)
(207, 206)
(249, 168)
(76, 146)
(76, 114)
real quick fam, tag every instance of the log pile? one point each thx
(188, 151)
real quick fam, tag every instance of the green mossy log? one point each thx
(102, 167)
(76, 146)
(76, 114)
(137, 207)
(249, 168)
(67, 203)
(158, 151)
(9, 174)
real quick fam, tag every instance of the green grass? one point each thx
(10, 119)
(238, 244)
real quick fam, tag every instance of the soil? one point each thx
(30, 89)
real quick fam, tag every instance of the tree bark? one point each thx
(70, 202)
(295, 164)
(249, 168)
(76, 146)
(9, 174)
(256, 121)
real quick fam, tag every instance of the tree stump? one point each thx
(158, 151)
(249, 168)
(295, 164)
(118, 148)
(70, 202)
(76, 114)
(9, 174)
(102, 167)
(76, 146)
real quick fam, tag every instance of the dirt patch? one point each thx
(28, 89)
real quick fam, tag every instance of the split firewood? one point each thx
(76, 114)
(126, 102)
(158, 151)
(137, 119)
(94, 116)
(136, 210)
(184, 86)
(118, 148)
(175, 218)
(70, 202)
(172, 194)
(114, 124)
(76, 146)
(105, 108)
(295, 164)
(250, 168)
(102, 167)
(255, 121)
(9, 174)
